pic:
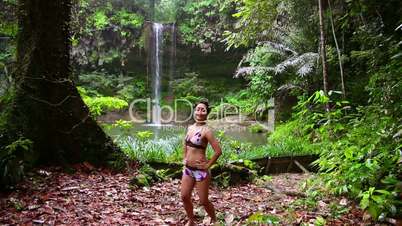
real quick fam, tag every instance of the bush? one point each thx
(133, 90)
(359, 152)
(103, 83)
(190, 85)
(98, 105)
(12, 163)
(363, 162)
(257, 128)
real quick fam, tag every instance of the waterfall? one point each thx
(157, 30)
(172, 59)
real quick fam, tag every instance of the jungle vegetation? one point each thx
(339, 61)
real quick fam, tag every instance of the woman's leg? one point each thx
(202, 190)
(187, 185)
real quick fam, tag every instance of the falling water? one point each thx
(172, 59)
(157, 30)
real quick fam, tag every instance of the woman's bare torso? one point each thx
(196, 156)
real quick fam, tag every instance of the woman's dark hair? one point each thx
(205, 102)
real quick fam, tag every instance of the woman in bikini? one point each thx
(196, 165)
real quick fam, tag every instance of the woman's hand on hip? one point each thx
(203, 165)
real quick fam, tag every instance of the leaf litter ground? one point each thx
(99, 197)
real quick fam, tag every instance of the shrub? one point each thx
(12, 163)
(98, 105)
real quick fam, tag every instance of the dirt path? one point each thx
(52, 197)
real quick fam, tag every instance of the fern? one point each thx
(302, 63)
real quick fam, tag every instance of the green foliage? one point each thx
(320, 221)
(144, 149)
(203, 22)
(99, 105)
(360, 160)
(7, 58)
(289, 139)
(6, 106)
(377, 201)
(91, 20)
(124, 126)
(245, 101)
(118, 161)
(223, 109)
(259, 218)
(385, 86)
(144, 135)
(273, 67)
(338, 210)
(223, 180)
(97, 84)
(235, 151)
(12, 161)
(8, 18)
(166, 10)
(99, 20)
(125, 18)
(9, 29)
(358, 152)
(147, 176)
(309, 203)
(256, 128)
(190, 85)
(17, 204)
(254, 20)
(100, 82)
(132, 90)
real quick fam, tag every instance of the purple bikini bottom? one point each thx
(197, 174)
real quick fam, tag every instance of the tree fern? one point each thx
(303, 64)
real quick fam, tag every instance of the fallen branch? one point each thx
(301, 166)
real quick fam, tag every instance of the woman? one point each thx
(196, 165)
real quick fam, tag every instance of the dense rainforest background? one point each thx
(308, 78)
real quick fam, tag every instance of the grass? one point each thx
(141, 146)
(170, 149)
(162, 150)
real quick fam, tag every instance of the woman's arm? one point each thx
(215, 146)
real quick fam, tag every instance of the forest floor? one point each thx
(98, 196)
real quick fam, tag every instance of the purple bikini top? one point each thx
(196, 140)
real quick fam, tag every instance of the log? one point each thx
(301, 166)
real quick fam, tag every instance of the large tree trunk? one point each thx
(47, 107)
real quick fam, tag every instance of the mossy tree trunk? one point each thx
(47, 106)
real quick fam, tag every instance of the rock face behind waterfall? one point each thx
(177, 58)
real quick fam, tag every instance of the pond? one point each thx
(170, 131)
